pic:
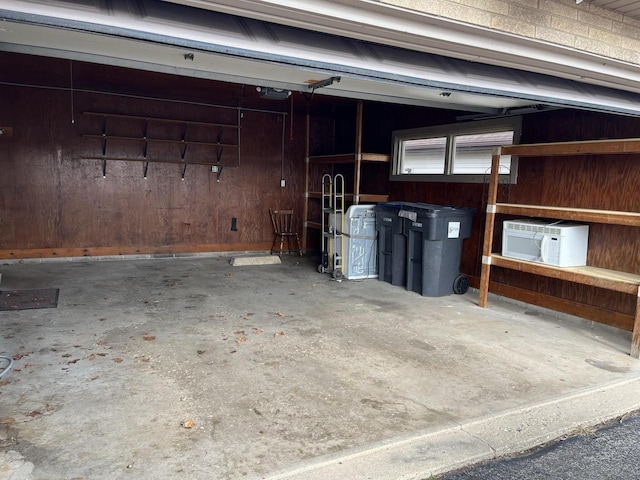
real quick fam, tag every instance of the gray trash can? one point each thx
(434, 248)
(392, 243)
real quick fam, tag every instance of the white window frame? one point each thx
(451, 131)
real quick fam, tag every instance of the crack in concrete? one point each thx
(493, 450)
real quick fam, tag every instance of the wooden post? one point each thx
(488, 227)
(358, 159)
(635, 339)
(305, 207)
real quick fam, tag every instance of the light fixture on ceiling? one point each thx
(273, 93)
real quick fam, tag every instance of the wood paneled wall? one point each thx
(54, 201)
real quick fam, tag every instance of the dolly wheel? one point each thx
(337, 274)
(460, 285)
(320, 269)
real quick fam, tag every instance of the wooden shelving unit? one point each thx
(597, 277)
(184, 141)
(357, 159)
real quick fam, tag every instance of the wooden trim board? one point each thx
(139, 250)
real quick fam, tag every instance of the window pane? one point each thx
(472, 153)
(423, 156)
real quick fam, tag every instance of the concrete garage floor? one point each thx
(285, 373)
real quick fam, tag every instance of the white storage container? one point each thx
(360, 243)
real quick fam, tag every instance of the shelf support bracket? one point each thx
(146, 143)
(104, 136)
(184, 144)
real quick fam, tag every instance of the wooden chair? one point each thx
(282, 221)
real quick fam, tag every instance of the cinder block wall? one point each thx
(584, 27)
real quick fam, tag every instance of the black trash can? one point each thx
(434, 248)
(392, 243)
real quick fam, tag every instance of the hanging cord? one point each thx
(284, 120)
(291, 120)
(73, 120)
(8, 367)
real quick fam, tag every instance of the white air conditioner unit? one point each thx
(553, 243)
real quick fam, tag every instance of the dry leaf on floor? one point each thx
(34, 413)
(117, 360)
(66, 355)
(148, 338)
(4, 382)
(280, 314)
(188, 423)
(241, 339)
(279, 334)
(71, 362)
(7, 421)
(239, 332)
(90, 357)
(257, 330)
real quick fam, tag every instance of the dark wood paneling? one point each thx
(53, 198)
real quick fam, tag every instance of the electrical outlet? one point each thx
(214, 168)
(282, 183)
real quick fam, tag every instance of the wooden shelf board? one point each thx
(376, 157)
(593, 276)
(159, 140)
(364, 197)
(373, 198)
(576, 214)
(594, 147)
(314, 225)
(349, 158)
(151, 160)
(156, 119)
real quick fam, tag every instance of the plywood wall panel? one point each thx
(53, 196)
